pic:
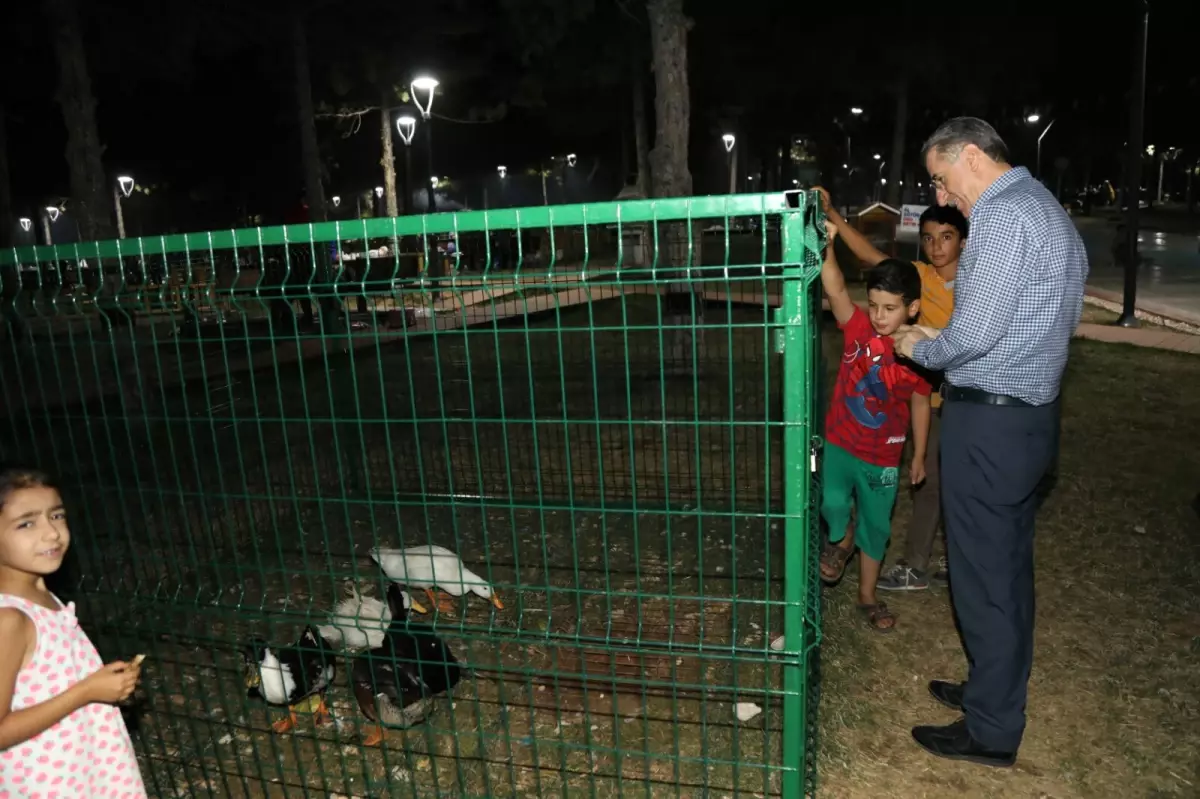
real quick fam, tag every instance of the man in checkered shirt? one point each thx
(1018, 297)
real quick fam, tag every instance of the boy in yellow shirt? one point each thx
(943, 237)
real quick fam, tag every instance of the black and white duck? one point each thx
(294, 676)
(397, 683)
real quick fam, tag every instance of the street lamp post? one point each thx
(1133, 193)
(1033, 119)
(729, 140)
(426, 84)
(406, 124)
(48, 219)
(123, 189)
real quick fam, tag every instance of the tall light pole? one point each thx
(123, 189)
(1133, 192)
(729, 140)
(1033, 119)
(48, 219)
(427, 85)
(406, 125)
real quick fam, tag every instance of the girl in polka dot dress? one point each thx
(60, 733)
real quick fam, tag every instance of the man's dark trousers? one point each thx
(993, 458)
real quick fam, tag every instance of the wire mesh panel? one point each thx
(590, 408)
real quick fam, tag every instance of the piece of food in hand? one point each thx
(137, 660)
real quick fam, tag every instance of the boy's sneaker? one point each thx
(941, 577)
(902, 577)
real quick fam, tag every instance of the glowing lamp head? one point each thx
(728, 139)
(336, 201)
(26, 224)
(379, 191)
(52, 212)
(571, 159)
(125, 184)
(503, 170)
(423, 83)
(407, 126)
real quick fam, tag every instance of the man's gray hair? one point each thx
(955, 134)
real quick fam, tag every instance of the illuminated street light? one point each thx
(407, 126)
(52, 212)
(336, 201)
(571, 159)
(1033, 119)
(423, 83)
(379, 191)
(26, 224)
(877, 156)
(503, 170)
(729, 139)
(855, 110)
(124, 189)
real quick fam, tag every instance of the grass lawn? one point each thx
(1114, 705)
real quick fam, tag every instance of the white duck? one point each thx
(432, 567)
(360, 622)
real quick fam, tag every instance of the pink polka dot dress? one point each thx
(87, 754)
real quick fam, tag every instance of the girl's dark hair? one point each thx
(15, 478)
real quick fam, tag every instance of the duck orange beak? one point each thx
(417, 607)
(496, 601)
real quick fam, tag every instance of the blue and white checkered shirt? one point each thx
(1018, 295)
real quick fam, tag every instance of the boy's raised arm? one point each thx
(863, 249)
(834, 282)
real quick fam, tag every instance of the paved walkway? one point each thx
(1155, 338)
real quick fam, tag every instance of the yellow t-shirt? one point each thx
(937, 303)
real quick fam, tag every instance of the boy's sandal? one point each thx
(878, 617)
(833, 562)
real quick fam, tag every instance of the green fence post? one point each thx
(799, 383)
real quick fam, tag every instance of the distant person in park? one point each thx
(868, 417)
(943, 231)
(1018, 298)
(61, 733)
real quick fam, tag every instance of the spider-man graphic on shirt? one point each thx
(869, 414)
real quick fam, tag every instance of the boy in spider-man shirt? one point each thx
(868, 421)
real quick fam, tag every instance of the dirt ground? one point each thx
(628, 509)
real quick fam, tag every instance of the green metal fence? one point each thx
(595, 406)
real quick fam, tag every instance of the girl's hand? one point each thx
(113, 683)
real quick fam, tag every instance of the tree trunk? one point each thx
(92, 207)
(899, 129)
(626, 155)
(641, 136)
(682, 308)
(672, 99)
(8, 224)
(310, 155)
(388, 161)
(310, 152)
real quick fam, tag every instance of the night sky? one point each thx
(200, 102)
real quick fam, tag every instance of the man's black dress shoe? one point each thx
(955, 743)
(949, 694)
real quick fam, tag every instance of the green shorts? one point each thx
(847, 481)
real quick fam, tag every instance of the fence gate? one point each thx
(598, 407)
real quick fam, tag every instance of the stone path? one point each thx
(1155, 338)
